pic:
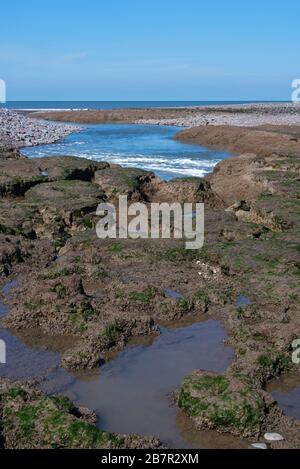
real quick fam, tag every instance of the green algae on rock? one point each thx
(216, 402)
(30, 419)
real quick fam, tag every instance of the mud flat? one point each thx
(102, 294)
(117, 394)
(243, 115)
(95, 294)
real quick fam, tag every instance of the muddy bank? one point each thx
(117, 394)
(117, 116)
(263, 140)
(261, 152)
(101, 292)
(261, 190)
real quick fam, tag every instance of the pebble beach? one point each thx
(241, 115)
(17, 130)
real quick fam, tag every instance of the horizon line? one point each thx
(151, 100)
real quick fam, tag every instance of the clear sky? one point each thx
(149, 49)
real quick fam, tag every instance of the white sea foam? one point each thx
(176, 166)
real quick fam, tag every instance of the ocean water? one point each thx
(149, 147)
(111, 104)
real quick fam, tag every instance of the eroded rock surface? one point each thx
(101, 292)
(104, 292)
(261, 255)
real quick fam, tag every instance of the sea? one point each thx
(112, 104)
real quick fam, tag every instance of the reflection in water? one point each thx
(286, 391)
(243, 301)
(131, 393)
(172, 294)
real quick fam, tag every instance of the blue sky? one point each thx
(149, 49)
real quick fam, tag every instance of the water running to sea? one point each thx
(149, 147)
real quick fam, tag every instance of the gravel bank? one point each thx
(17, 130)
(244, 115)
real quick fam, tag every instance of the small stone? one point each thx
(259, 446)
(273, 437)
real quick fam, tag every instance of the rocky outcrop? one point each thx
(183, 190)
(121, 181)
(101, 291)
(259, 141)
(17, 176)
(218, 402)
